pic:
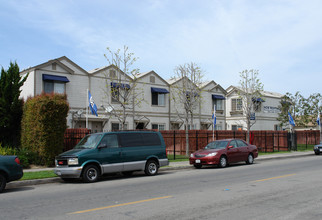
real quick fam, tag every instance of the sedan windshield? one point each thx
(217, 145)
(89, 141)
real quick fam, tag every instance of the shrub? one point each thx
(43, 126)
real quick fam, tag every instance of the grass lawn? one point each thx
(38, 175)
(303, 147)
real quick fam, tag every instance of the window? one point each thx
(236, 127)
(257, 106)
(277, 128)
(151, 139)
(130, 139)
(117, 126)
(115, 93)
(110, 141)
(53, 66)
(241, 143)
(160, 127)
(218, 127)
(119, 91)
(218, 103)
(233, 143)
(158, 96)
(236, 105)
(158, 99)
(175, 126)
(191, 128)
(54, 87)
(54, 84)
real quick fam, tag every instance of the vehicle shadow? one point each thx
(12, 189)
(113, 177)
(231, 165)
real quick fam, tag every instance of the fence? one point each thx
(266, 141)
(73, 135)
(175, 140)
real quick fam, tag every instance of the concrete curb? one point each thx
(184, 165)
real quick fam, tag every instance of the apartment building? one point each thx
(155, 103)
(265, 113)
(154, 107)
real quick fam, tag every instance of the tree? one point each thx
(250, 93)
(186, 95)
(314, 107)
(10, 105)
(44, 124)
(297, 106)
(121, 85)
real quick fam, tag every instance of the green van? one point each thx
(112, 152)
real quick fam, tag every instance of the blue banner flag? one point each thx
(92, 105)
(214, 116)
(318, 120)
(290, 119)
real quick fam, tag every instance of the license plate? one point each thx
(197, 161)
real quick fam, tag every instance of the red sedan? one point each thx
(223, 152)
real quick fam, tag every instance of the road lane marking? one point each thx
(276, 177)
(118, 205)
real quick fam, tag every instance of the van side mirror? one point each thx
(102, 146)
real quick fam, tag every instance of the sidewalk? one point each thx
(172, 166)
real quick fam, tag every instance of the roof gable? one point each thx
(146, 74)
(48, 63)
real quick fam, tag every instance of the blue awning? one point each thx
(120, 85)
(218, 97)
(258, 100)
(47, 77)
(159, 90)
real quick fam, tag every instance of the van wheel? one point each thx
(91, 174)
(151, 168)
(3, 182)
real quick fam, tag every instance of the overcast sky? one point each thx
(280, 38)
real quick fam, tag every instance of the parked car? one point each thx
(223, 152)
(318, 148)
(112, 152)
(10, 170)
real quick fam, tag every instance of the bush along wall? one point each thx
(43, 126)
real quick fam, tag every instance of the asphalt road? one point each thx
(272, 189)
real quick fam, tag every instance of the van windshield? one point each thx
(89, 141)
(217, 145)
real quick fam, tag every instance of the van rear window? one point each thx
(151, 139)
(139, 139)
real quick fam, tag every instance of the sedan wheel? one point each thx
(3, 182)
(197, 166)
(223, 162)
(250, 159)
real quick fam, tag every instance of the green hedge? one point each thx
(43, 126)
